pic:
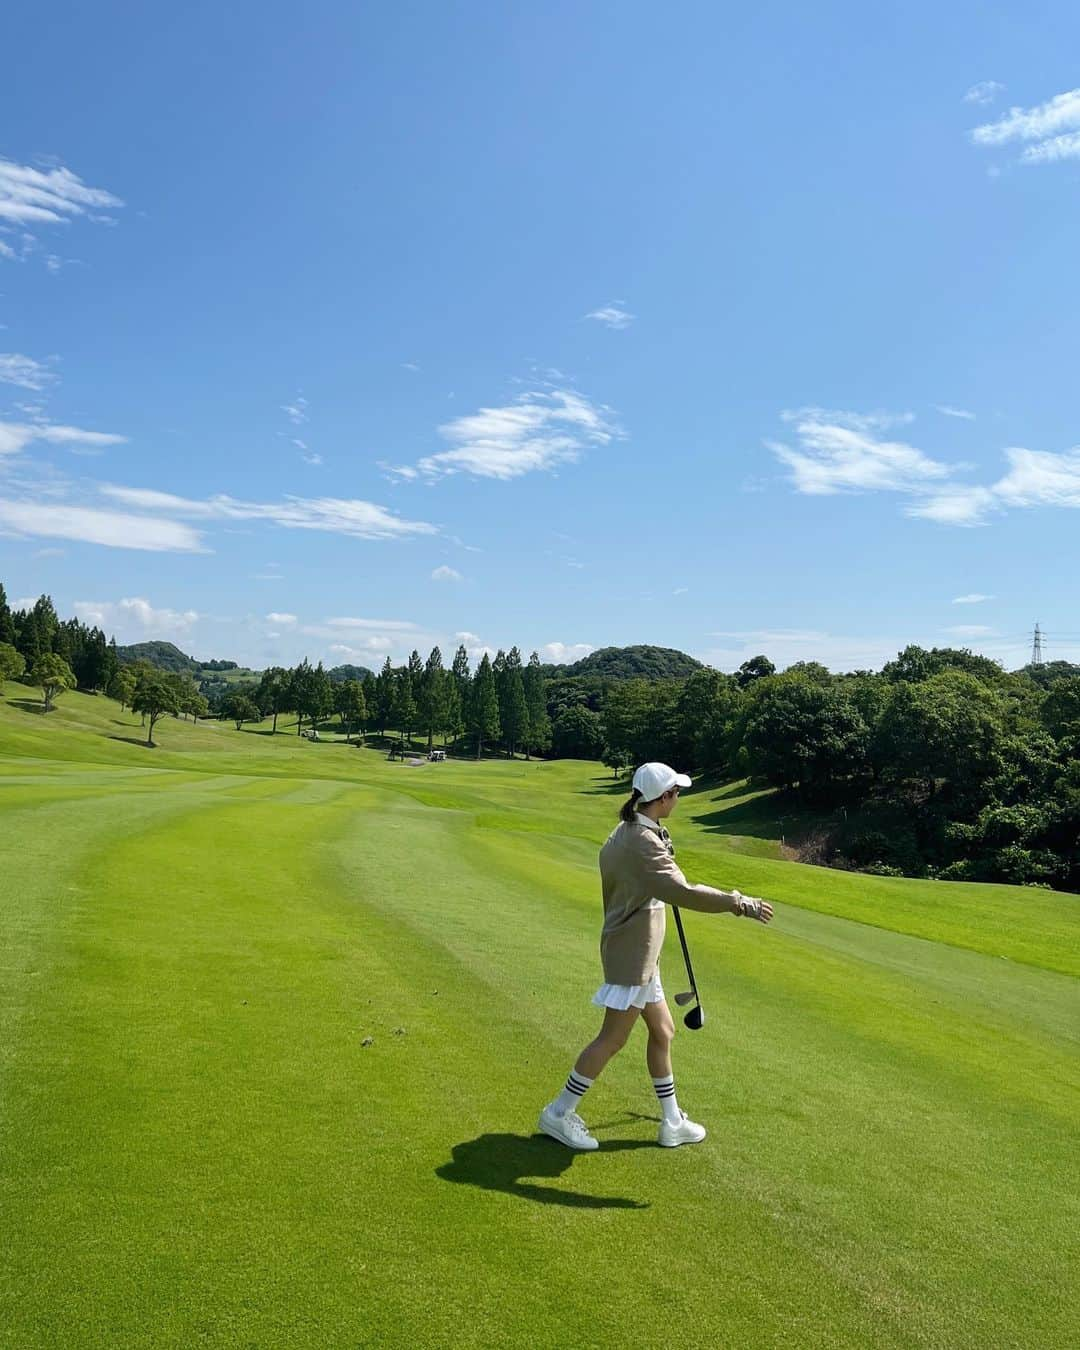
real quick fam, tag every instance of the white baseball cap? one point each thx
(653, 780)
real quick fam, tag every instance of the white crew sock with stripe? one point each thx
(576, 1087)
(665, 1093)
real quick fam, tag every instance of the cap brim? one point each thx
(681, 780)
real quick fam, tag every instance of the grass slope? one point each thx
(196, 1147)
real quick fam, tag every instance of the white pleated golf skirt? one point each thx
(623, 996)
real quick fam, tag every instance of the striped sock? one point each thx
(665, 1093)
(576, 1087)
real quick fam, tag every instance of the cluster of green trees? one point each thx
(499, 706)
(943, 763)
(153, 692)
(87, 658)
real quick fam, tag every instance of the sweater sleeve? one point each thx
(667, 882)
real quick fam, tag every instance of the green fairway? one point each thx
(198, 1149)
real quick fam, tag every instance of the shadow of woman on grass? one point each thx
(496, 1162)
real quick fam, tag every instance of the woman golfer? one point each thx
(639, 876)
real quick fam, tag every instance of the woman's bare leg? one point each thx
(613, 1036)
(661, 1026)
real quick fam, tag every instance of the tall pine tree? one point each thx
(404, 714)
(484, 706)
(7, 623)
(538, 737)
(513, 711)
(416, 676)
(384, 697)
(432, 696)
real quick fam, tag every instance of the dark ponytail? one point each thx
(630, 807)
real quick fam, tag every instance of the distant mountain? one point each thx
(168, 657)
(161, 654)
(340, 674)
(635, 663)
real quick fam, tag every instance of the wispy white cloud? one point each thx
(445, 574)
(475, 647)
(1049, 131)
(30, 196)
(975, 598)
(360, 519)
(984, 92)
(409, 365)
(349, 636)
(122, 616)
(565, 653)
(1040, 478)
(113, 529)
(25, 372)
(537, 432)
(957, 504)
(1035, 478)
(280, 619)
(949, 411)
(16, 436)
(387, 625)
(308, 455)
(296, 411)
(880, 420)
(1058, 147)
(35, 198)
(838, 452)
(612, 316)
(370, 647)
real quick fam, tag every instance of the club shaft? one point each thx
(685, 951)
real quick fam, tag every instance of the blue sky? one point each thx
(346, 331)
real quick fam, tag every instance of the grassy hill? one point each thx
(202, 1149)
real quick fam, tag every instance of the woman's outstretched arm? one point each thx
(668, 882)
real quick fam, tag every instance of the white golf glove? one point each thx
(750, 907)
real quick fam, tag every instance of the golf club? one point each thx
(695, 1018)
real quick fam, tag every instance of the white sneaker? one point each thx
(569, 1129)
(682, 1132)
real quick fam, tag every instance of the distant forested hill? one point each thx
(340, 674)
(635, 663)
(161, 654)
(166, 656)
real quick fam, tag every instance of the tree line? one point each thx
(942, 764)
(499, 706)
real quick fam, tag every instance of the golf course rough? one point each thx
(277, 1019)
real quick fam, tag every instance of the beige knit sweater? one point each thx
(636, 865)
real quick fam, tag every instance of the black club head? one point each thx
(695, 1018)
